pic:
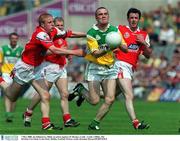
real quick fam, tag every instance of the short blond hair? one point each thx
(42, 18)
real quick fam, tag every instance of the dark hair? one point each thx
(100, 8)
(134, 10)
(58, 19)
(42, 17)
(13, 33)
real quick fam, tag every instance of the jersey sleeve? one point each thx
(1, 54)
(122, 39)
(44, 39)
(147, 40)
(92, 43)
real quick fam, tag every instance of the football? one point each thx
(113, 39)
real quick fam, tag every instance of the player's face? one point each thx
(59, 25)
(133, 20)
(102, 16)
(13, 40)
(48, 24)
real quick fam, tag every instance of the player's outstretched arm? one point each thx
(63, 51)
(78, 34)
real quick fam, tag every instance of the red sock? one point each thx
(1, 80)
(28, 114)
(135, 123)
(45, 122)
(66, 117)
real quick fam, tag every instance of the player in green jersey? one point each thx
(100, 71)
(9, 54)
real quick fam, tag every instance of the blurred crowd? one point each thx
(8, 7)
(163, 24)
(162, 70)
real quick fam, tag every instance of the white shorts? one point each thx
(52, 72)
(25, 73)
(95, 72)
(124, 70)
(8, 79)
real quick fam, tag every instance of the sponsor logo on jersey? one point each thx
(133, 47)
(98, 37)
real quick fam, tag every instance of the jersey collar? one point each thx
(137, 30)
(96, 28)
(9, 46)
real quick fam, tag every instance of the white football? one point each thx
(113, 39)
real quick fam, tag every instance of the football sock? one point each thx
(28, 112)
(45, 122)
(135, 123)
(66, 117)
(1, 79)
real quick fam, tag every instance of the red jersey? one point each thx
(35, 49)
(58, 42)
(134, 48)
(55, 58)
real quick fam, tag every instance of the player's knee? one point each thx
(64, 95)
(129, 96)
(45, 97)
(95, 100)
(109, 99)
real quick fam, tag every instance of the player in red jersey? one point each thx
(54, 71)
(138, 43)
(27, 69)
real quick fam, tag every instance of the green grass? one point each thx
(162, 116)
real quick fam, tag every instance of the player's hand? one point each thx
(68, 33)
(140, 38)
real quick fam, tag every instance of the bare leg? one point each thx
(42, 89)
(109, 92)
(62, 86)
(93, 95)
(126, 86)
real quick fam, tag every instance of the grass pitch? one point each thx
(163, 118)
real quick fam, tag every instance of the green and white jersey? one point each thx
(96, 41)
(9, 56)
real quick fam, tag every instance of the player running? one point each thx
(27, 69)
(100, 71)
(54, 71)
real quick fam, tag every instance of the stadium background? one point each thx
(157, 79)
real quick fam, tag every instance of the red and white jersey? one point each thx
(134, 48)
(35, 49)
(58, 42)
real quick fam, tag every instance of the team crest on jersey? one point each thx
(60, 41)
(17, 54)
(98, 37)
(126, 35)
(8, 53)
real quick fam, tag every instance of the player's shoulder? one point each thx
(4, 47)
(20, 47)
(93, 29)
(142, 31)
(42, 36)
(112, 28)
(120, 26)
